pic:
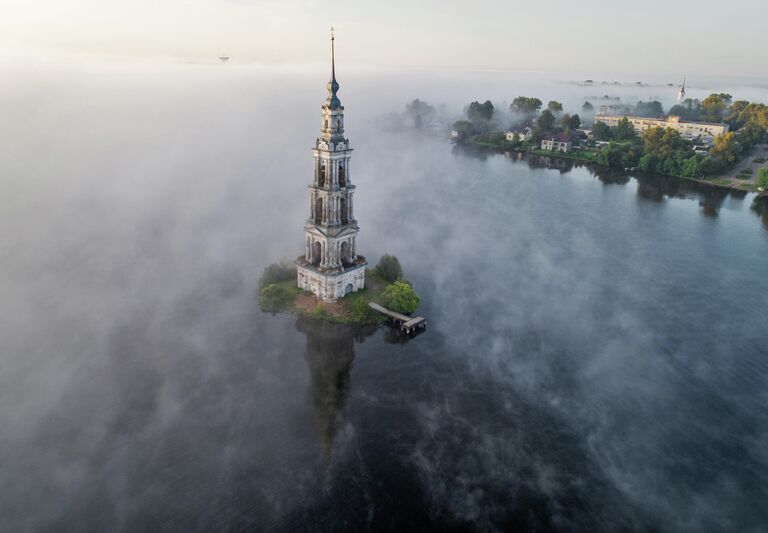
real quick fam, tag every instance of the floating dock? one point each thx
(407, 323)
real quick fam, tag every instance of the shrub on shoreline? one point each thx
(277, 272)
(274, 298)
(389, 268)
(401, 297)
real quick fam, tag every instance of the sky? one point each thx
(652, 36)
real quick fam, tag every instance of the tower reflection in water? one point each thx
(329, 354)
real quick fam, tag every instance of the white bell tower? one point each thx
(331, 266)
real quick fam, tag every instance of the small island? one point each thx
(328, 281)
(385, 285)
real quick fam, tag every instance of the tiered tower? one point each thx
(330, 266)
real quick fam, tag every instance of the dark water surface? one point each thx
(595, 360)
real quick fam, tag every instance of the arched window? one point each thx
(338, 123)
(318, 211)
(346, 257)
(321, 176)
(326, 124)
(342, 176)
(316, 252)
(343, 210)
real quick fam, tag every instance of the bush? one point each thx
(320, 311)
(277, 272)
(401, 297)
(762, 178)
(273, 298)
(389, 268)
(362, 313)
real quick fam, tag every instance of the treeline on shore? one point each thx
(656, 150)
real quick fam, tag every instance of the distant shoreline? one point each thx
(715, 182)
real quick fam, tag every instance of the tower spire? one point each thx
(333, 54)
(333, 86)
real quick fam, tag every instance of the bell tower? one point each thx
(331, 266)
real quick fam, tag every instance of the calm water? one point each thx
(595, 361)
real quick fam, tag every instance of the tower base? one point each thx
(330, 285)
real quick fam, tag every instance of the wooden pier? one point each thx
(407, 324)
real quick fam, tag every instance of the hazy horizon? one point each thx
(670, 39)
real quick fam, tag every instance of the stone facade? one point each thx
(331, 266)
(555, 145)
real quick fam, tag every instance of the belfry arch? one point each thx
(345, 253)
(343, 213)
(319, 211)
(342, 176)
(321, 176)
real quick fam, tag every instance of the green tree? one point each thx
(401, 297)
(714, 105)
(565, 122)
(274, 298)
(546, 120)
(419, 108)
(762, 178)
(361, 312)
(666, 151)
(536, 136)
(417, 122)
(692, 167)
(587, 108)
(687, 110)
(725, 150)
(478, 113)
(619, 155)
(277, 272)
(555, 106)
(652, 109)
(624, 130)
(464, 129)
(389, 268)
(525, 105)
(601, 131)
(575, 122)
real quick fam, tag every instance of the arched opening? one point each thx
(345, 252)
(318, 211)
(343, 210)
(349, 288)
(325, 126)
(321, 176)
(338, 123)
(342, 176)
(316, 252)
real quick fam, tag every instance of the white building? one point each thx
(330, 266)
(693, 131)
(523, 134)
(557, 143)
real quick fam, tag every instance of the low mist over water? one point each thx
(596, 351)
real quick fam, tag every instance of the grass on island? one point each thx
(352, 308)
(286, 296)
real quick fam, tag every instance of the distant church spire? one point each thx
(333, 101)
(681, 94)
